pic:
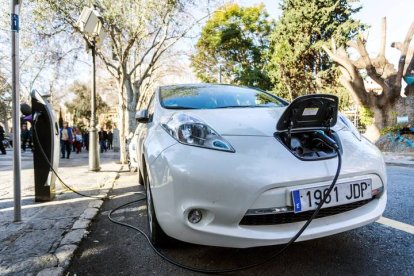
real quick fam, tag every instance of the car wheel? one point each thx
(156, 234)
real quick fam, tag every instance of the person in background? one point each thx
(74, 138)
(2, 149)
(110, 139)
(25, 137)
(78, 140)
(103, 136)
(85, 138)
(31, 141)
(11, 137)
(66, 139)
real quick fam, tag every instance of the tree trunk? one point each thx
(131, 107)
(122, 129)
(386, 115)
(373, 131)
(127, 110)
(6, 126)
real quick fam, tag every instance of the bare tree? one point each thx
(138, 34)
(44, 51)
(382, 103)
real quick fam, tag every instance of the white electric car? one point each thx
(238, 167)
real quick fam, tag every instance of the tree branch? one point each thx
(404, 50)
(350, 78)
(371, 71)
(383, 37)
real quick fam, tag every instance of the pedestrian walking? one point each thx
(103, 137)
(110, 139)
(78, 140)
(85, 139)
(11, 137)
(66, 140)
(2, 149)
(25, 137)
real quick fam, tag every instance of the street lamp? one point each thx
(90, 25)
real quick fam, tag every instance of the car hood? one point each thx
(259, 121)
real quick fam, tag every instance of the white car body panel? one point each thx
(133, 162)
(260, 174)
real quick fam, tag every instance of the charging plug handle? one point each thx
(328, 140)
(36, 116)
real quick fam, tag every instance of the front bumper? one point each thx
(260, 174)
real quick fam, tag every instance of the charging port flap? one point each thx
(318, 111)
(305, 127)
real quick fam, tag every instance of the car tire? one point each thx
(156, 234)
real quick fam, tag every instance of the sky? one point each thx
(399, 13)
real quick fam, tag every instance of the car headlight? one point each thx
(351, 127)
(192, 131)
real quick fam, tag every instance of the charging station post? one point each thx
(15, 10)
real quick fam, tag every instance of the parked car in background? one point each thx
(132, 153)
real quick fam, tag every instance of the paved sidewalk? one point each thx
(399, 159)
(44, 242)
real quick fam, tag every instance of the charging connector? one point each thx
(328, 140)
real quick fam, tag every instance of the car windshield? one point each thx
(215, 96)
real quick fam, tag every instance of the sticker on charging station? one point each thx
(310, 111)
(14, 22)
(296, 201)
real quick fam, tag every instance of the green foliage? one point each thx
(392, 129)
(5, 100)
(237, 38)
(298, 65)
(81, 126)
(366, 116)
(80, 107)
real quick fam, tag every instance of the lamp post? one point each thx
(93, 131)
(90, 25)
(15, 9)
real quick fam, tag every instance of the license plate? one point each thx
(343, 193)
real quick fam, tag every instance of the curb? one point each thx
(71, 240)
(399, 164)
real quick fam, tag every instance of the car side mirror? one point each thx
(142, 116)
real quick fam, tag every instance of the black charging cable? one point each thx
(330, 143)
(51, 166)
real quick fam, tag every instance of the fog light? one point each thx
(195, 216)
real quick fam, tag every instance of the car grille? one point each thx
(290, 217)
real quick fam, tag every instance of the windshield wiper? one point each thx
(235, 106)
(242, 106)
(179, 107)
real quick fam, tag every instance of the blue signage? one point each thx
(409, 79)
(296, 201)
(14, 22)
